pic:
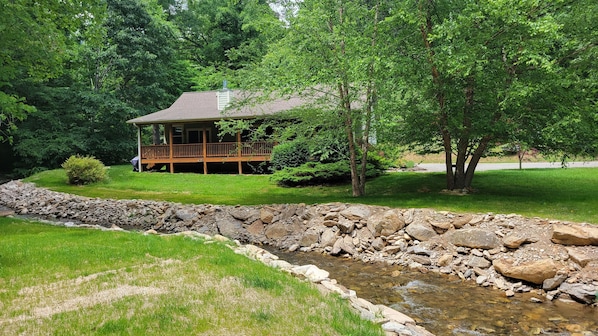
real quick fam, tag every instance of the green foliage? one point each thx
(84, 169)
(317, 173)
(386, 156)
(478, 74)
(289, 154)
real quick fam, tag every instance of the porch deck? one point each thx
(206, 152)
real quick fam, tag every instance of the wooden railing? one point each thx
(213, 150)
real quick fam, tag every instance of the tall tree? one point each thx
(481, 73)
(331, 56)
(221, 37)
(32, 45)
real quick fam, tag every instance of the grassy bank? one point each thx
(565, 194)
(56, 280)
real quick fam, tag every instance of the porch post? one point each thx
(205, 152)
(139, 165)
(239, 153)
(170, 149)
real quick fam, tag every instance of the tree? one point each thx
(32, 45)
(482, 74)
(330, 55)
(221, 37)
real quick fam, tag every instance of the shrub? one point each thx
(289, 154)
(314, 173)
(84, 169)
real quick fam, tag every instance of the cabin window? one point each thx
(177, 134)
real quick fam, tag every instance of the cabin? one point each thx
(189, 136)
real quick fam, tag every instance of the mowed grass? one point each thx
(69, 281)
(564, 194)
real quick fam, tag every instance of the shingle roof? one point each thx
(203, 106)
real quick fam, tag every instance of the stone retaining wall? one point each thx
(551, 258)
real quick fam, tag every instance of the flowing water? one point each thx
(448, 306)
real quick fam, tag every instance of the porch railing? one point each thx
(213, 150)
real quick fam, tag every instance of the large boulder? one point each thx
(575, 235)
(356, 212)
(474, 238)
(385, 223)
(584, 293)
(421, 231)
(534, 272)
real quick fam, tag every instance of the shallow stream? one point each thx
(449, 306)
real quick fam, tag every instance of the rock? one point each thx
(421, 230)
(6, 213)
(394, 315)
(185, 215)
(330, 223)
(580, 292)
(442, 225)
(256, 228)
(240, 213)
(386, 223)
(276, 231)
(445, 260)
(474, 238)
(514, 240)
(509, 293)
(309, 238)
(552, 283)
(230, 227)
(266, 216)
(328, 238)
(378, 244)
(420, 259)
(311, 272)
(579, 257)
(478, 262)
(346, 226)
(151, 231)
(338, 246)
(534, 272)
(348, 245)
(461, 219)
(356, 212)
(575, 235)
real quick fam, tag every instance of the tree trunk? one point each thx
(156, 134)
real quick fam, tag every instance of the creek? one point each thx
(449, 306)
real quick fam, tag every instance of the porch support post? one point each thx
(139, 166)
(239, 153)
(205, 152)
(170, 149)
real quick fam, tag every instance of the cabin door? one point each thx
(195, 135)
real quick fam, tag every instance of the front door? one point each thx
(195, 135)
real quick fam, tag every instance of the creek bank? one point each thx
(554, 259)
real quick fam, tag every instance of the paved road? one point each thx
(440, 167)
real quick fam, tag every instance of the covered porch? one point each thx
(204, 153)
(194, 143)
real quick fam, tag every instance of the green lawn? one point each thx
(566, 194)
(68, 281)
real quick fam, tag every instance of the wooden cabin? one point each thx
(189, 134)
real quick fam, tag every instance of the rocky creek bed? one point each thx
(556, 260)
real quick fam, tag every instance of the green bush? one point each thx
(84, 169)
(289, 154)
(315, 173)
